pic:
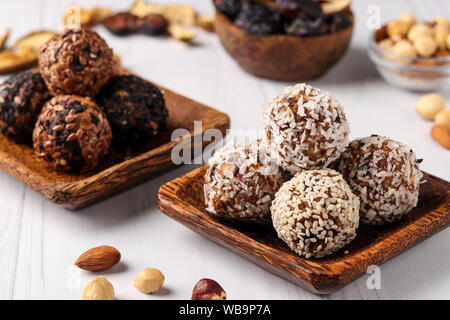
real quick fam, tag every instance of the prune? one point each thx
(230, 8)
(310, 8)
(153, 24)
(122, 23)
(339, 21)
(303, 26)
(255, 18)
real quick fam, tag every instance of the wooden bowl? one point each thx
(283, 57)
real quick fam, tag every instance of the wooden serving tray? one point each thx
(182, 199)
(119, 171)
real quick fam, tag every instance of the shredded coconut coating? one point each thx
(385, 175)
(241, 182)
(316, 213)
(305, 127)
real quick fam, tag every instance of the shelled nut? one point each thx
(397, 28)
(98, 289)
(429, 105)
(441, 133)
(443, 117)
(207, 289)
(404, 48)
(409, 18)
(425, 46)
(386, 44)
(149, 280)
(440, 36)
(419, 30)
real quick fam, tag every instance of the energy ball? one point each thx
(135, 109)
(21, 99)
(240, 183)
(78, 61)
(316, 213)
(385, 175)
(72, 133)
(305, 128)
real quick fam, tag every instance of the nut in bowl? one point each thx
(279, 41)
(411, 55)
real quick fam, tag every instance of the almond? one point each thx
(98, 258)
(441, 133)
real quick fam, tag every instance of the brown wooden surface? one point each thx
(119, 171)
(182, 199)
(282, 57)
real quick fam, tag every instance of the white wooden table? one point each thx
(39, 241)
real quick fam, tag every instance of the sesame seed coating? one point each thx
(78, 61)
(305, 127)
(240, 182)
(315, 213)
(72, 133)
(385, 175)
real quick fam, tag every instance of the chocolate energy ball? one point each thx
(240, 183)
(135, 109)
(316, 213)
(76, 62)
(385, 175)
(72, 133)
(305, 127)
(21, 99)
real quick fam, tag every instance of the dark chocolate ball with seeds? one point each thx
(72, 133)
(21, 99)
(78, 61)
(135, 109)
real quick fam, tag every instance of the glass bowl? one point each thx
(417, 74)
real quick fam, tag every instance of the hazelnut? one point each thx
(409, 18)
(98, 289)
(443, 117)
(429, 105)
(207, 289)
(442, 22)
(397, 28)
(149, 280)
(425, 46)
(440, 35)
(419, 30)
(404, 48)
(386, 44)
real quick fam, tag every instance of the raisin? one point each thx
(310, 8)
(122, 23)
(339, 21)
(153, 24)
(303, 26)
(230, 8)
(255, 18)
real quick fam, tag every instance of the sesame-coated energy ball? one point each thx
(72, 133)
(305, 128)
(240, 183)
(78, 61)
(21, 99)
(385, 175)
(135, 109)
(316, 213)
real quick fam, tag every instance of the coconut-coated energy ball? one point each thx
(316, 213)
(72, 133)
(21, 99)
(135, 109)
(305, 128)
(240, 182)
(78, 61)
(385, 175)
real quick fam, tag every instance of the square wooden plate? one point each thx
(119, 171)
(182, 199)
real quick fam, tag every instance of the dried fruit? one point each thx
(149, 280)
(3, 38)
(99, 14)
(207, 289)
(230, 8)
(339, 21)
(12, 60)
(429, 105)
(122, 23)
(98, 258)
(441, 133)
(310, 8)
(443, 117)
(175, 14)
(206, 22)
(98, 289)
(255, 18)
(303, 26)
(153, 24)
(180, 33)
(34, 40)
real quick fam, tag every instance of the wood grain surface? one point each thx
(182, 199)
(119, 171)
